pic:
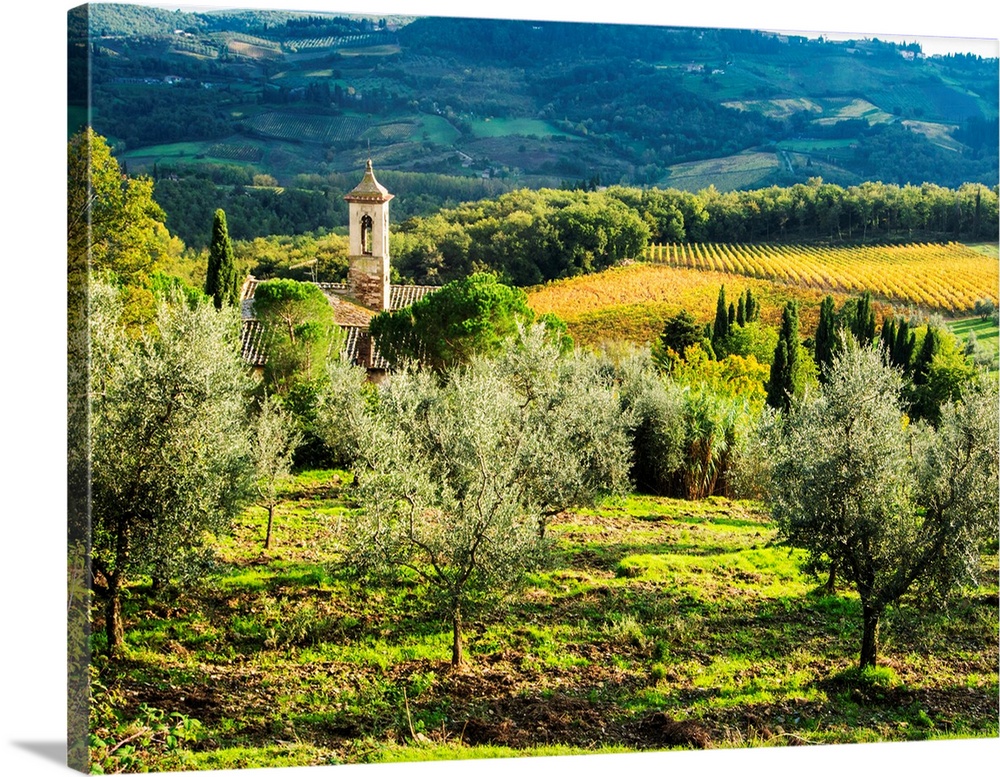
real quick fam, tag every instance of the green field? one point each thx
(806, 145)
(178, 153)
(499, 128)
(654, 624)
(438, 130)
(986, 332)
(231, 151)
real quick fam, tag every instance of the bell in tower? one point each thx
(368, 270)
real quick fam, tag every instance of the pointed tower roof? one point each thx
(369, 190)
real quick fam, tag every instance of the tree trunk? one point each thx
(270, 522)
(831, 582)
(869, 641)
(114, 626)
(456, 637)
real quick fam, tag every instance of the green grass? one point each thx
(168, 152)
(987, 333)
(807, 145)
(499, 128)
(767, 573)
(647, 606)
(438, 130)
(456, 751)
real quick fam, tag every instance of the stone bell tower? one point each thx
(368, 271)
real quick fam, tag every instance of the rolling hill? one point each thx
(535, 103)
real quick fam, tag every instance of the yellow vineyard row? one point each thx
(941, 277)
(630, 303)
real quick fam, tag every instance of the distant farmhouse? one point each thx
(367, 290)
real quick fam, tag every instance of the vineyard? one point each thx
(240, 152)
(942, 278)
(321, 129)
(188, 46)
(253, 47)
(631, 303)
(331, 42)
(739, 171)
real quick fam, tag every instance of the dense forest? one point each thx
(313, 202)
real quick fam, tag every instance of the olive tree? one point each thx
(300, 336)
(457, 472)
(892, 504)
(169, 458)
(274, 439)
(583, 452)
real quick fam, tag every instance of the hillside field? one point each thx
(645, 604)
(631, 302)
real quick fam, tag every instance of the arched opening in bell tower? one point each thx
(366, 235)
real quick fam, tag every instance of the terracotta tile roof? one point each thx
(359, 349)
(252, 345)
(349, 351)
(246, 292)
(347, 312)
(404, 296)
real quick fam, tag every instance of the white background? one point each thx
(32, 289)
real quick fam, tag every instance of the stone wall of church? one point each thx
(368, 281)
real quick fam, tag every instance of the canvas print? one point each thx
(459, 388)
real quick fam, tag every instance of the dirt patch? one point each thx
(497, 704)
(663, 730)
(204, 703)
(526, 722)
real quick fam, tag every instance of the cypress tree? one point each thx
(776, 396)
(902, 350)
(826, 337)
(741, 310)
(781, 385)
(863, 323)
(922, 364)
(925, 400)
(732, 317)
(753, 308)
(887, 340)
(220, 282)
(720, 329)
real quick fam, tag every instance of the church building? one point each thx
(368, 290)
